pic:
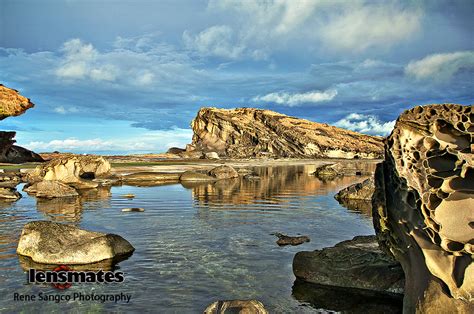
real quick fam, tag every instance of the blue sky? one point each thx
(128, 76)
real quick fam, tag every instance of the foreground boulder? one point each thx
(51, 189)
(352, 264)
(236, 306)
(75, 170)
(248, 132)
(54, 243)
(424, 203)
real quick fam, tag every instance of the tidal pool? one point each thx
(195, 244)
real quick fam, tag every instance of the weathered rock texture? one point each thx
(51, 189)
(54, 243)
(13, 104)
(75, 170)
(354, 264)
(424, 206)
(247, 132)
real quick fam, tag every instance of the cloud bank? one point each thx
(296, 99)
(440, 66)
(368, 124)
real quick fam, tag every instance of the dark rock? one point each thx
(288, 240)
(354, 264)
(359, 191)
(175, 150)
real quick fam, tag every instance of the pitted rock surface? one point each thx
(248, 132)
(424, 205)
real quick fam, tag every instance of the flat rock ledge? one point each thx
(48, 242)
(351, 264)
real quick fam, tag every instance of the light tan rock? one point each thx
(224, 172)
(12, 103)
(248, 132)
(195, 176)
(9, 194)
(424, 206)
(236, 306)
(51, 189)
(54, 243)
(211, 155)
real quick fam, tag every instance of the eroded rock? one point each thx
(354, 264)
(359, 191)
(424, 206)
(50, 189)
(48, 242)
(12, 103)
(224, 172)
(9, 194)
(328, 172)
(248, 132)
(236, 306)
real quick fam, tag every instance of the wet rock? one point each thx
(195, 176)
(133, 209)
(359, 191)
(54, 243)
(288, 240)
(157, 177)
(248, 132)
(211, 155)
(236, 306)
(423, 206)
(354, 264)
(9, 194)
(51, 189)
(223, 172)
(328, 172)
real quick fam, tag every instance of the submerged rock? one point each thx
(423, 206)
(54, 243)
(157, 177)
(133, 209)
(236, 306)
(354, 264)
(195, 176)
(359, 191)
(248, 132)
(224, 172)
(51, 189)
(288, 240)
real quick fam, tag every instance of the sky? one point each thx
(124, 77)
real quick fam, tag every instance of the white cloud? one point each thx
(297, 98)
(440, 66)
(150, 141)
(65, 110)
(368, 124)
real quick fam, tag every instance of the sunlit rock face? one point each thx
(424, 206)
(12, 103)
(248, 132)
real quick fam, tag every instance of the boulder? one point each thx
(249, 132)
(9, 194)
(359, 191)
(288, 240)
(423, 206)
(76, 170)
(224, 172)
(354, 264)
(48, 242)
(51, 189)
(195, 176)
(328, 172)
(236, 306)
(211, 155)
(12, 103)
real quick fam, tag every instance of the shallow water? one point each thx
(194, 244)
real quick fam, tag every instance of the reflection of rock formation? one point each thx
(424, 206)
(69, 209)
(273, 187)
(247, 132)
(13, 104)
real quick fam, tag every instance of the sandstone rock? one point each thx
(150, 177)
(359, 191)
(76, 170)
(328, 172)
(194, 154)
(9, 180)
(247, 132)
(236, 306)
(211, 155)
(352, 264)
(424, 205)
(53, 243)
(195, 176)
(128, 195)
(287, 240)
(51, 189)
(223, 172)
(12, 103)
(9, 194)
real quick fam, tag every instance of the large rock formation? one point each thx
(352, 264)
(424, 206)
(48, 242)
(247, 132)
(13, 104)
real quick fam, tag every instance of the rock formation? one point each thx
(236, 306)
(51, 189)
(13, 104)
(423, 206)
(352, 264)
(289, 240)
(247, 132)
(48, 242)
